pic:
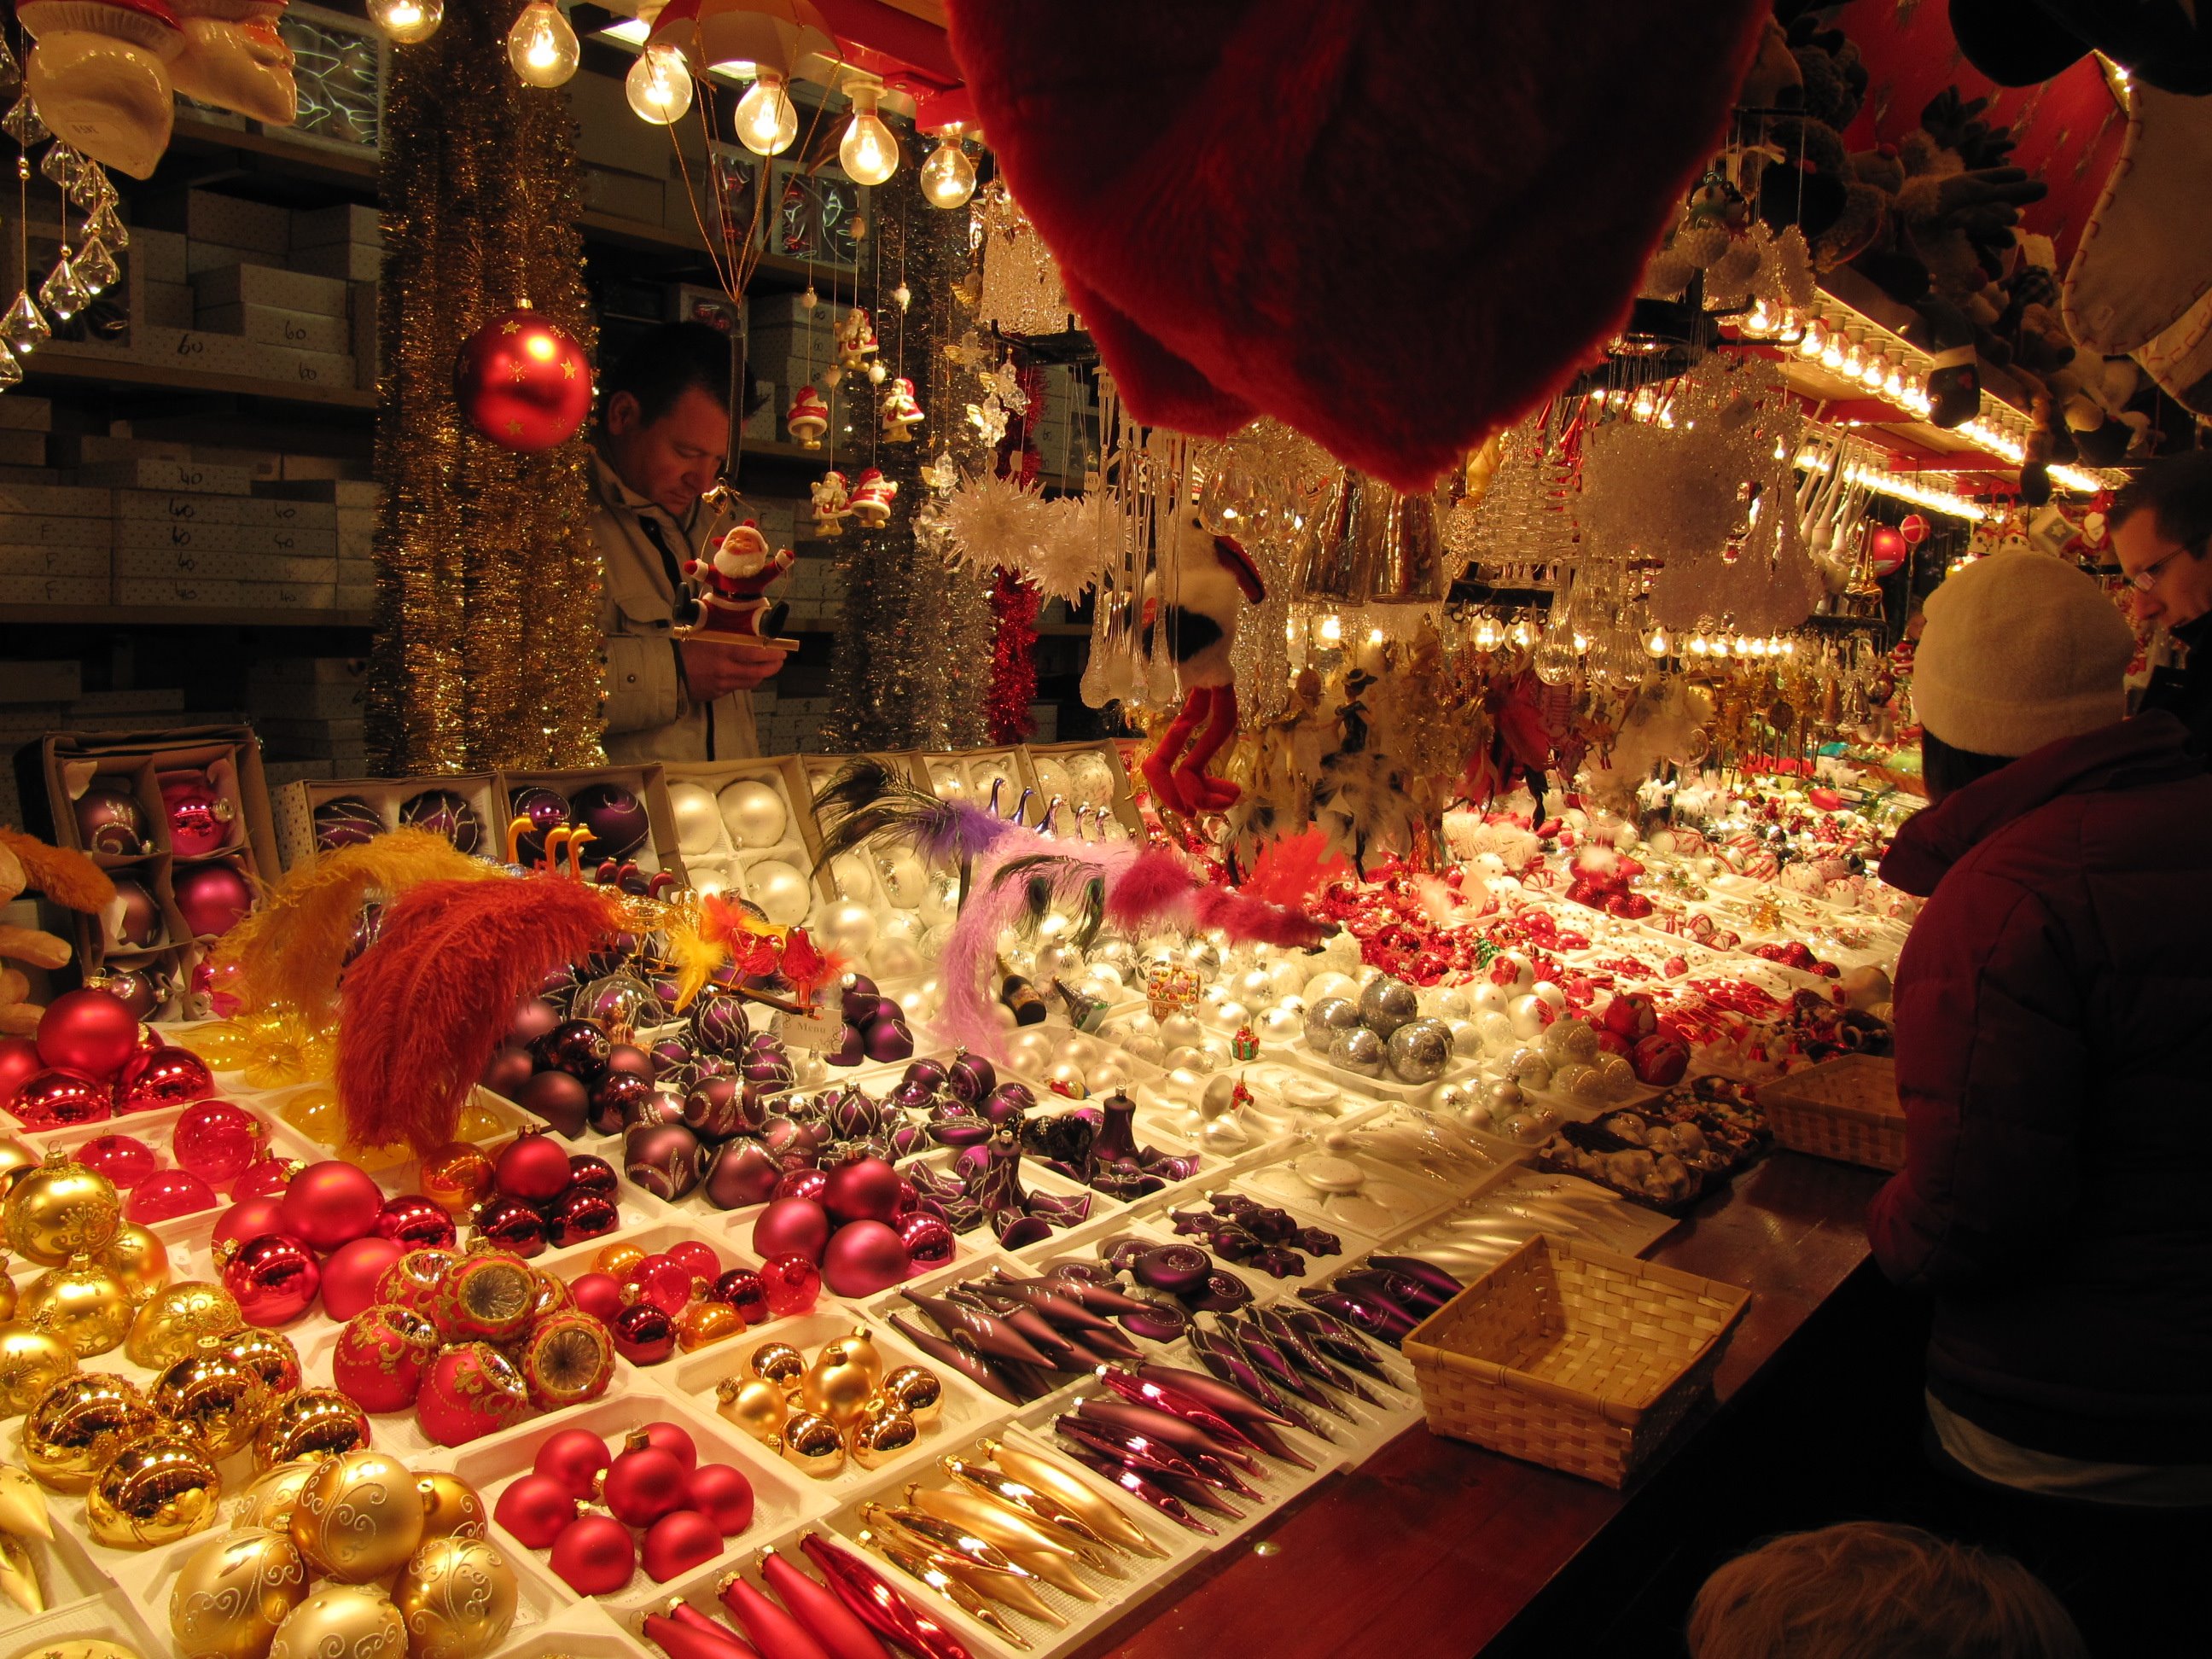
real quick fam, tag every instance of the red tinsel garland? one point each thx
(1013, 659)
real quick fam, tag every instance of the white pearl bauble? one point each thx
(1181, 1030)
(1278, 1025)
(1183, 1084)
(711, 877)
(1286, 976)
(847, 927)
(852, 876)
(1570, 1041)
(1225, 1016)
(1446, 1002)
(1488, 998)
(1002, 1016)
(780, 891)
(1531, 1070)
(1495, 1029)
(1149, 1049)
(1142, 1025)
(1330, 983)
(1105, 973)
(905, 880)
(1019, 959)
(808, 1069)
(698, 823)
(1107, 1075)
(1527, 1015)
(1616, 1076)
(1066, 1077)
(900, 924)
(940, 901)
(1467, 1040)
(895, 958)
(1254, 985)
(754, 813)
(1193, 1058)
(1311, 1094)
(1549, 994)
(1029, 1050)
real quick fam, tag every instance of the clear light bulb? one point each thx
(948, 177)
(658, 85)
(869, 153)
(542, 46)
(1657, 644)
(767, 121)
(1331, 629)
(406, 21)
(1523, 633)
(1815, 340)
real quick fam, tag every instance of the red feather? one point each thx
(426, 1004)
(1243, 917)
(1290, 871)
(1155, 883)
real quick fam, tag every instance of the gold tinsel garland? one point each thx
(487, 579)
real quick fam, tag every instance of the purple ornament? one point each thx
(1008, 1103)
(719, 1025)
(662, 1158)
(562, 1100)
(1023, 1230)
(924, 1073)
(741, 1173)
(576, 1046)
(442, 813)
(671, 1057)
(768, 1072)
(109, 819)
(849, 1051)
(615, 817)
(545, 810)
(971, 1077)
(852, 1116)
(617, 1101)
(951, 1123)
(590, 1174)
(346, 821)
(889, 1039)
(861, 997)
(716, 1108)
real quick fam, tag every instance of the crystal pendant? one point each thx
(11, 72)
(24, 327)
(61, 164)
(107, 225)
(22, 123)
(92, 189)
(64, 292)
(96, 266)
(11, 371)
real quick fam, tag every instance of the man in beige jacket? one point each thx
(664, 434)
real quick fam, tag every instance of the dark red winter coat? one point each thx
(2054, 1058)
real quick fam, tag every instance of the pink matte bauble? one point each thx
(678, 1542)
(90, 1030)
(19, 1059)
(330, 1203)
(696, 1258)
(866, 1190)
(535, 1510)
(54, 1099)
(350, 1276)
(471, 1390)
(507, 1071)
(864, 1258)
(250, 1217)
(593, 1555)
(273, 1278)
(723, 1495)
(216, 1141)
(572, 1459)
(791, 1226)
(598, 1295)
(417, 1223)
(792, 1282)
(166, 1194)
(212, 898)
(154, 1079)
(124, 1160)
(535, 1168)
(643, 1484)
(266, 1177)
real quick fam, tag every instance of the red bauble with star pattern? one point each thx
(522, 382)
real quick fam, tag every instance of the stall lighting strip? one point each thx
(1900, 486)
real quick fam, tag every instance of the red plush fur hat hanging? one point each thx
(1393, 227)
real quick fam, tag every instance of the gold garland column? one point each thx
(487, 601)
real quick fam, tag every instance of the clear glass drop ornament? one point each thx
(11, 72)
(64, 292)
(107, 224)
(96, 266)
(24, 327)
(23, 124)
(61, 164)
(92, 189)
(11, 371)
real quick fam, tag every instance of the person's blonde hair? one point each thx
(1864, 1590)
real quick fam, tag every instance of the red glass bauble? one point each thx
(723, 1495)
(414, 1222)
(331, 1203)
(592, 1174)
(593, 1555)
(155, 1079)
(929, 1243)
(743, 1289)
(535, 1510)
(457, 1176)
(167, 1194)
(678, 1541)
(413, 1281)
(485, 1297)
(19, 1059)
(574, 1458)
(598, 1295)
(250, 1217)
(575, 1046)
(642, 1484)
(567, 1358)
(512, 1224)
(216, 1141)
(1887, 550)
(791, 1226)
(577, 1215)
(89, 1030)
(212, 898)
(696, 1257)
(864, 1258)
(266, 1177)
(470, 1391)
(643, 1334)
(352, 1272)
(55, 1100)
(808, 1184)
(274, 1279)
(522, 382)
(124, 1160)
(381, 1357)
(200, 816)
(663, 1281)
(534, 1168)
(792, 1283)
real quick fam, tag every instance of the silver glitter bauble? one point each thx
(1385, 1004)
(1420, 1050)
(1326, 1018)
(1358, 1050)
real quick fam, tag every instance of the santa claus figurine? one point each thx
(832, 504)
(807, 418)
(901, 413)
(733, 589)
(871, 500)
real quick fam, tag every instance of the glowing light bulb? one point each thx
(1657, 645)
(1832, 352)
(542, 46)
(767, 121)
(1873, 371)
(406, 21)
(658, 85)
(1522, 633)
(1815, 340)
(868, 153)
(948, 177)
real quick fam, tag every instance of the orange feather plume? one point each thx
(69, 879)
(426, 1004)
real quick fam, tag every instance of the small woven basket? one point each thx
(1846, 1109)
(1572, 1357)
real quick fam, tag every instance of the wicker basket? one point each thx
(1572, 1357)
(1844, 1109)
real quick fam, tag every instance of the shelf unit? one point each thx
(127, 615)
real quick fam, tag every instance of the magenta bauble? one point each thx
(723, 1495)
(273, 1278)
(92, 1031)
(212, 898)
(791, 1226)
(596, 1294)
(678, 1542)
(535, 1168)
(864, 1257)
(593, 1555)
(330, 1203)
(124, 1160)
(888, 1040)
(928, 1241)
(866, 1190)
(573, 1458)
(417, 1223)
(166, 1194)
(643, 1484)
(154, 1079)
(537, 1510)
(216, 1141)
(351, 1275)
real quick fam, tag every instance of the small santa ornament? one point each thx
(807, 418)
(901, 413)
(856, 339)
(831, 505)
(733, 589)
(871, 500)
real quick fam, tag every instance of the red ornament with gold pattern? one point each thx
(381, 1357)
(522, 382)
(567, 1359)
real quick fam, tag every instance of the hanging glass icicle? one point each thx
(11, 72)
(1146, 473)
(11, 371)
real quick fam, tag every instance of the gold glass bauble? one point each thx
(16, 1160)
(358, 1517)
(457, 1596)
(876, 1440)
(313, 1422)
(139, 1261)
(214, 1397)
(83, 1304)
(268, 1498)
(158, 1488)
(705, 1323)
(778, 1362)
(844, 1374)
(314, 1113)
(755, 1405)
(6, 1291)
(917, 1391)
(342, 1622)
(812, 1443)
(19, 1576)
(269, 1352)
(451, 1507)
(61, 1209)
(31, 1361)
(223, 1044)
(78, 1425)
(232, 1592)
(170, 1326)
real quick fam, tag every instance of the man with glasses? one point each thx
(2161, 525)
(663, 436)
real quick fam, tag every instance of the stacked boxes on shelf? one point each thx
(192, 533)
(54, 538)
(787, 725)
(310, 709)
(787, 346)
(351, 503)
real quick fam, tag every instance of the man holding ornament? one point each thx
(664, 434)
(2161, 526)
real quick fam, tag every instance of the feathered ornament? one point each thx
(288, 954)
(867, 802)
(694, 958)
(68, 878)
(426, 1004)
